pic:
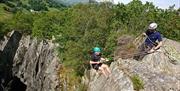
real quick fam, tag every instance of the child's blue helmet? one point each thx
(96, 49)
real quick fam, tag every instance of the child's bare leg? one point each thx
(105, 67)
(103, 71)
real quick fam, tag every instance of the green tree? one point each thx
(48, 24)
(38, 5)
(22, 21)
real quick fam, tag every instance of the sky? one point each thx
(164, 4)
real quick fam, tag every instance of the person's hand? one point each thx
(144, 34)
(106, 59)
(151, 51)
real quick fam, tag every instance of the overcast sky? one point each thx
(164, 4)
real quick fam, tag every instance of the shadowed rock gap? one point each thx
(7, 56)
(17, 85)
(28, 64)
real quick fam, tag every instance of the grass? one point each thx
(137, 82)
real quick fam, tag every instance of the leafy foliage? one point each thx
(37, 5)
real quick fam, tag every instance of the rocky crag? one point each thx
(27, 64)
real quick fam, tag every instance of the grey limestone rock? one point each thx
(33, 62)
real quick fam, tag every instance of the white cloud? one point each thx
(160, 3)
(122, 1)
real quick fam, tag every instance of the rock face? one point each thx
(156, 70)
(118, 81)
(28, 64)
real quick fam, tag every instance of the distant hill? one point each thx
(70, 2)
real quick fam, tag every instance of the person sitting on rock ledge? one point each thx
(152, 35)
(152, 42)
(96, 64)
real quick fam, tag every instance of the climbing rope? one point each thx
(170, 52)
(138, 40)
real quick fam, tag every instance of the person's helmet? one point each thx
(152, 26)
(96, 49)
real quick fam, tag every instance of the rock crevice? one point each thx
(31, 62)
